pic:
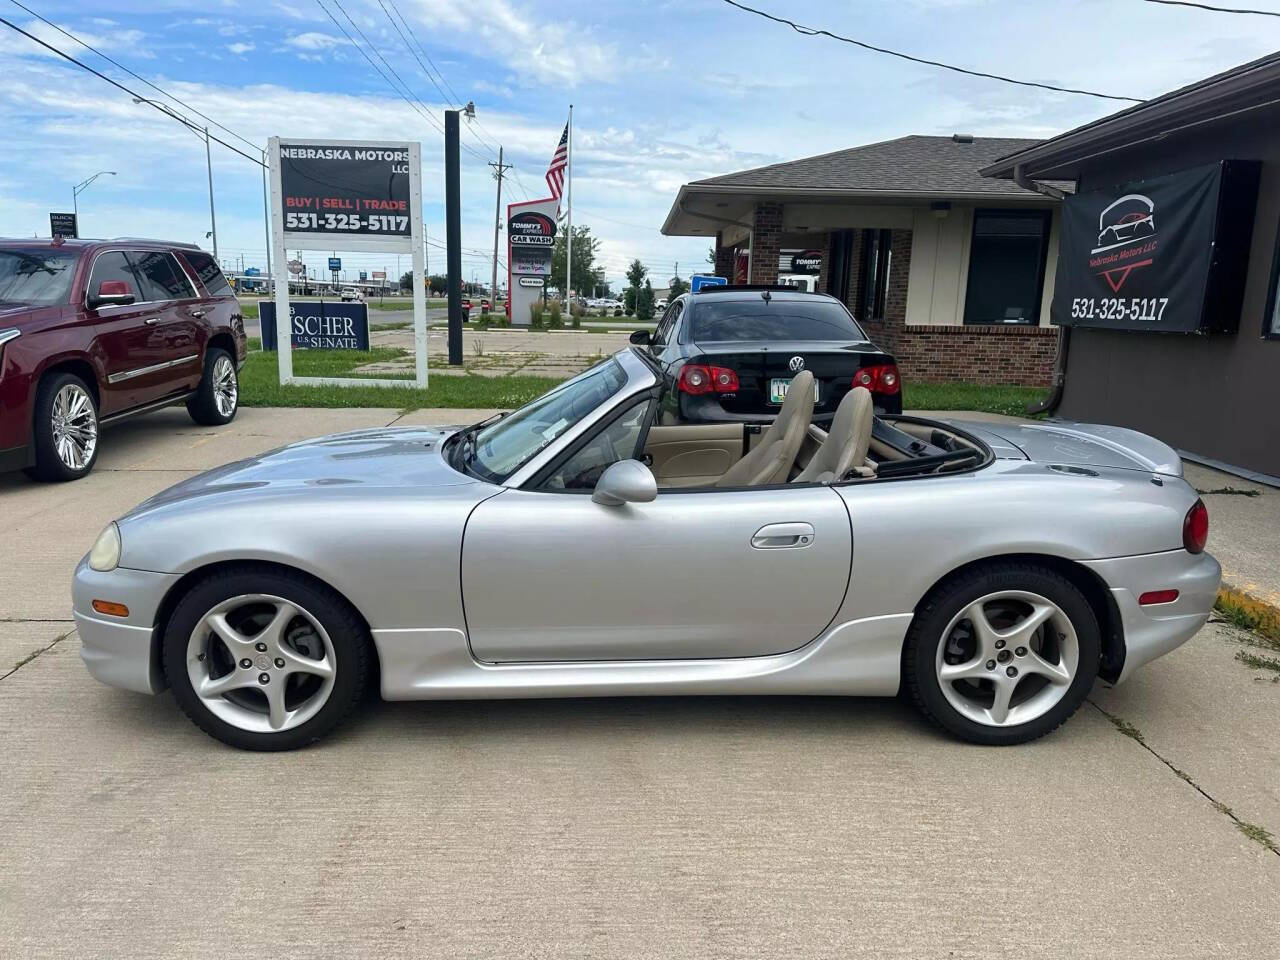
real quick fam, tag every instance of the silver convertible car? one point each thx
(586, 545)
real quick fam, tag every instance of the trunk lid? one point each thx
(759, 363)
(1081, 444)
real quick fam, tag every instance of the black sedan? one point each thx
(729, 354)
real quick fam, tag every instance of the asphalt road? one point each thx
(630, 828)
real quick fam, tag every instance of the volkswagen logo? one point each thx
(796, 364)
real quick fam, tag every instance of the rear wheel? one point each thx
(65, 428)
(1003, 654)
(265, 660)
(218, 396)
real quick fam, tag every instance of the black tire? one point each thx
(49, 465)
(935, 613)
(346, 631)
(204, 406)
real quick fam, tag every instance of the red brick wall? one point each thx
(724, 259)
(1022, 356)
(766, 230)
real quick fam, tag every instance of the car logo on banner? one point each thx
(1122, 223)
(796, 364)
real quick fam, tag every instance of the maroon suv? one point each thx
(92, 331)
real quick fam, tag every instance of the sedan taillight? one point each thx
(697, 379)
(882, 378)
(1195, 528)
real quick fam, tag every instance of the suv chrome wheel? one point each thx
(226, 390)
(1007, 658)
(74, 425)
(261, 663)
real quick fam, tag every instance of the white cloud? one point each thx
(313, 40)
(240, 48)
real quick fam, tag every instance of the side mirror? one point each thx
(627, 481)
(111, 293)
(639, 337)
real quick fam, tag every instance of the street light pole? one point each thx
(80, 188)
(202, 132)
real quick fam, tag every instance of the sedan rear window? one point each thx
(776, 319)
(38, 275)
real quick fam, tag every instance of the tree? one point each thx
(711, 255)
(584, 260)
(406, 281)
(678, 286)
(438, 283)
(629, 301)
(644, 302)
(636, 273)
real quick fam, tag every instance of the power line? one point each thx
(117, 63)
(816, 32)
(1206, 6)
(120, 86)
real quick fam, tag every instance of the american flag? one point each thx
(559, 160)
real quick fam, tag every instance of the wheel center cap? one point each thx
(263, 663)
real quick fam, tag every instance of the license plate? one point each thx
(778, 387)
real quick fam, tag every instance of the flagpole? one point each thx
(568, 240)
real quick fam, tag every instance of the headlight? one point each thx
(105, 554)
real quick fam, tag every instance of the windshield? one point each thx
(503, 447)
(774, 319)
(39, 275)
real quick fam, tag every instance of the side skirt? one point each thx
(160, 404)
(855, 658)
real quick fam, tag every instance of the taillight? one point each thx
(1195, 528)
(696, 379)
(882, 378)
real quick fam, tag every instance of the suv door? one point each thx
(120, 332)
(175, 341)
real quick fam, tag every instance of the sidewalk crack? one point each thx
(1258, 834)
(34, 654)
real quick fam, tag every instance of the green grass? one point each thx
(260, 387)
(970, 396)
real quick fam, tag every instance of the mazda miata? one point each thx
(591, 544)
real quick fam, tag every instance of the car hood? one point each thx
(381, 457)
(1077, 444)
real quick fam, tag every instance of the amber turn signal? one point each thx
(111, 609)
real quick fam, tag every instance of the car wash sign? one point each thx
(531, 236)
(344, 190)
(1152, 254)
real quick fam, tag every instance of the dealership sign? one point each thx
(336, 190)
(63, 225)
(319, 325)
(1167, 254)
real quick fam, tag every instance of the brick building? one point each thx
(951, 271)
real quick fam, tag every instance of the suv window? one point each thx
(160, 276)
(114, 266)
(36, 275)
(207, 270)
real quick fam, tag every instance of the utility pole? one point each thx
(499, 169)
(453, 233)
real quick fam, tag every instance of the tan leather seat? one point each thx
(771, 459)
(846, 445)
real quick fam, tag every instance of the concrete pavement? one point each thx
(718, 827)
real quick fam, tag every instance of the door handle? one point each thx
(197, 313)
(152, 321)
(778, 536)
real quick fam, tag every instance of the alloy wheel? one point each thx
(261, 663)
(75, 426)
(1007, 658)
(226, 390)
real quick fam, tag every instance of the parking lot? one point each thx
(620, 827)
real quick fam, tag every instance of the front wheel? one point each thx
(65, 431)
(265, 659)
(1003, 654)
(218, 396)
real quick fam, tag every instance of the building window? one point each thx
(1006, 266)
(873, 275)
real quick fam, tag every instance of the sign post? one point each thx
(362, 195)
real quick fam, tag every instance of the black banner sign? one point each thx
(63, 225)
(807, 261)
(343, 190)
(319, 325)
(1146, 255)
